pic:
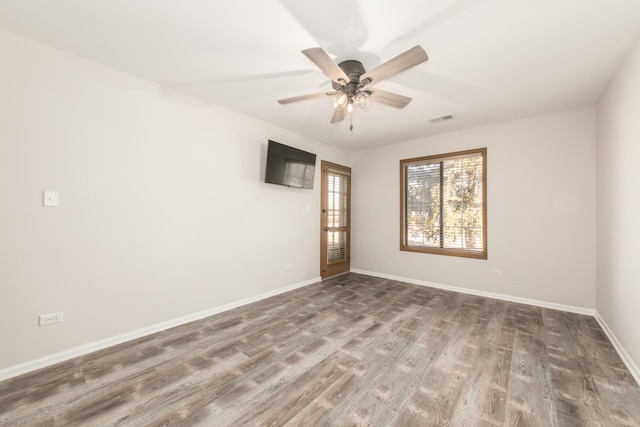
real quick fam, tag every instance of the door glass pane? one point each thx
(336, 246)
(337, 200)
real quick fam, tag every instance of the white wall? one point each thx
(618, 280)
(145, 233)
(541, 210)
(163, 209)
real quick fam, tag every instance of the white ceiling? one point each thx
(490, 60)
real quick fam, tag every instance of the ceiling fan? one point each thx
(352, 84)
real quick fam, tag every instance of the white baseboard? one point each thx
(158, 327)
(504, 297)
(635, 372)
(633, 368)
(83, 349)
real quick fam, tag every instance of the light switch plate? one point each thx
(50, 198)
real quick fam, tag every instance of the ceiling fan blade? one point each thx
(389, 98)
(347, 15)
(338, 115)
(414, 56)
(447, 13)
(304, 97)
(322, 59)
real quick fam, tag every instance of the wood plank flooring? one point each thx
(354, 351)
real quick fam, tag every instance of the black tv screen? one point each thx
(289, 166)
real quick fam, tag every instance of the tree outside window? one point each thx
(443, 204)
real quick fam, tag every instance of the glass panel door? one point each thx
(336, 219)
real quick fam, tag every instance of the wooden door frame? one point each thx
(340, 267)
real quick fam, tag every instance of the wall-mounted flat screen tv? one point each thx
(289, 166)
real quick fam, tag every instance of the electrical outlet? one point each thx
(495, 272)
(48, 319)
(288, 267)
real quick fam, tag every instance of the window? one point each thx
(443, 204)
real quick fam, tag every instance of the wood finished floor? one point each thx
(354, 350)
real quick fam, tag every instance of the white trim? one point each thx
(83, 349)
(631, 366)
(158, 327)
(504, 297)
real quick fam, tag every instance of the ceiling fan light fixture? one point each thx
(362, 100)
(340, 100)
(350, 108)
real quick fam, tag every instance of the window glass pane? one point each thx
(423, 204)
(443, 203)
(462, 203)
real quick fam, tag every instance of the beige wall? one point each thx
(618, 283)
(541, 210)
(163, 209)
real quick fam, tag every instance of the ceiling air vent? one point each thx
(441, 118)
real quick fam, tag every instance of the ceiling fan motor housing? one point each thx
(353, 69)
